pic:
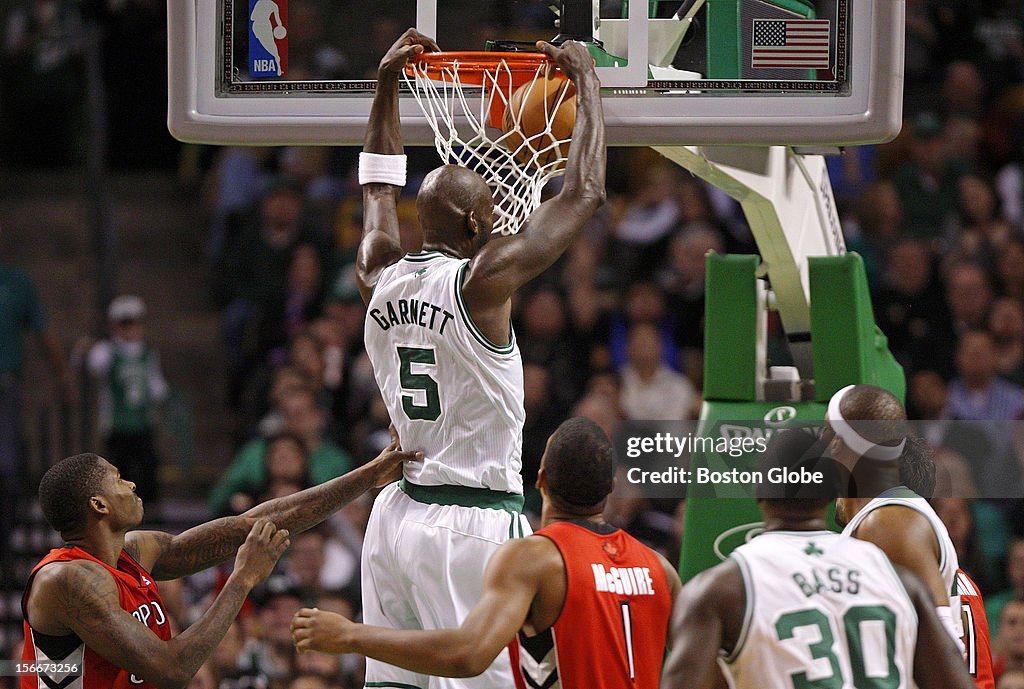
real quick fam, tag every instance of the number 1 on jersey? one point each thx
(423, 356)
(627, 630)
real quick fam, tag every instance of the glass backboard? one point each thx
(759, 72)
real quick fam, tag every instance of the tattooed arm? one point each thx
(169, 557)
(81, 597)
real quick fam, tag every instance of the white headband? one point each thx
(853, 440)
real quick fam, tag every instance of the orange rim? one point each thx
(475, 64)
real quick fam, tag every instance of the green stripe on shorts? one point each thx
(463, 496)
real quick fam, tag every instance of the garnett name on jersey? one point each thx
(629, 581)
(411, 312)
(832, 580)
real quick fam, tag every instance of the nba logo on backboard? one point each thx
(268, 38)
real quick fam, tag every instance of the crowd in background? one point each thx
(612, 332)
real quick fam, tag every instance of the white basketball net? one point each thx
(517, 176)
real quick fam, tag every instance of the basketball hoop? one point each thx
(472, 91)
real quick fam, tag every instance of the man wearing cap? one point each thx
(131, 387)
(866, 429)
(927, 183)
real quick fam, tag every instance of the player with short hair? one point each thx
(866, 427)
(582, 603)
(800, 606)
(93, 614)
(439, 335)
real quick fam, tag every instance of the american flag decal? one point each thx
(791, 44)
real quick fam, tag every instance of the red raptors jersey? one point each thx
(977, 647)
(611, 631)
(137, 594)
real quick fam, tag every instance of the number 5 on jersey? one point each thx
(423, 357)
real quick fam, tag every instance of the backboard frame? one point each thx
(871, 112)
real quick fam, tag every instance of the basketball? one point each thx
(280, 32)
(532, 107)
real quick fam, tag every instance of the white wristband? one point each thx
(945, 614)
(377, 168)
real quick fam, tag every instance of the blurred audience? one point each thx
(1008, 647)
(21, 313)
(996, 601)
(306, 422)
(650, 389)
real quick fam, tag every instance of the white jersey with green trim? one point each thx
(821, 611)
(451, 393)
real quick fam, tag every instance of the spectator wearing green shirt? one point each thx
(303, 418)
(21, 312)
(131, 389)
(928, 183)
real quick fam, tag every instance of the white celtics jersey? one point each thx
(904, 497)
(821, 611)
(451, 393)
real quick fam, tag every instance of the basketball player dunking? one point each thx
(800, 606)
(582, 603)
(445, 358)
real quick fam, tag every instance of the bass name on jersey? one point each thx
(833, 579)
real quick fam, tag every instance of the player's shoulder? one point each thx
(61, 588)
(533, 557)
(535, 546)
(721, 588)
(893, 519)
(70, 576)
(671, 575)
(865, 549)
(905, 536)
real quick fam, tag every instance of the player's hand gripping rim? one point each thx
(409, 45)
(572, 57)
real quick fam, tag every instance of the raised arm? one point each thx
(380, 246)
(169, 557)
(81, 598)
(937, 661)
(506, 263)
(512, 580)
(706, 617)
